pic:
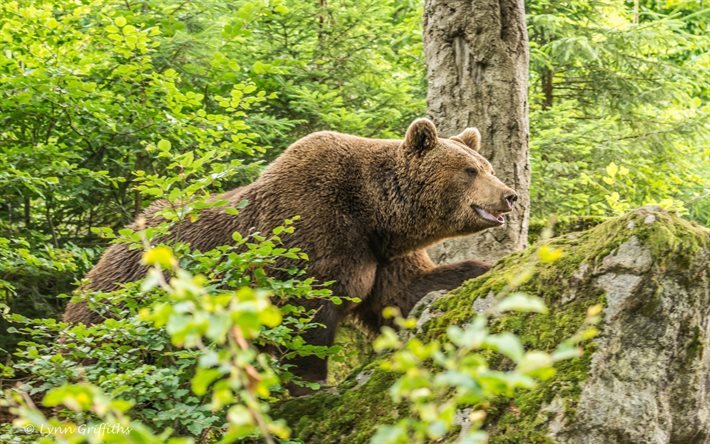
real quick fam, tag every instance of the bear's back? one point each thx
(321, 178)
(326, 173)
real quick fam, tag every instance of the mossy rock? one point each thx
(644, 379)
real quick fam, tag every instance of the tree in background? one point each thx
(348, 65)
(618, 101)
(477, 59)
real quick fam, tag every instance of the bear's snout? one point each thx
(510, 198)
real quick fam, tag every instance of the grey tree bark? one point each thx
(477, 61)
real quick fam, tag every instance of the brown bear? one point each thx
(368, 210)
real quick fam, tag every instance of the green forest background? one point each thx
(90, 90)
(618, 107)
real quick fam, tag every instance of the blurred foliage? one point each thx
(449, 383)
(108, 105)
(189, 353)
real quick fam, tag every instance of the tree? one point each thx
(617, 114)
(477, 57)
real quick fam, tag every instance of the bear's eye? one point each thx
(471, 172)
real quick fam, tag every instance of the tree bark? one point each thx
(477, 62)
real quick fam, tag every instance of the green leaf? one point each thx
(164, 145)
(612, 169)
(536, 363)
(203, 378)
(160, 255)
(549, 254)
(507, 344)
(390, 434)
(522, 302)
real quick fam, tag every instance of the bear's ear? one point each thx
(470, 137)
(421, 136)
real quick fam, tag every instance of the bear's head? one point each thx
(458, 192)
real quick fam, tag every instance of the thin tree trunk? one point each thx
(636, 11)
(547, 88)
(477, 60)
(137, 198)
(48, 206)
(322, 12)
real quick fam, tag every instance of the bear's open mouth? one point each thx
(495, 218)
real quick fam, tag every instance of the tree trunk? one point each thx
(477, 58)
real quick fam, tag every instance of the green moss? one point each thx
(672, 238)
(352, 415)
(549, 280)
(520, 419)
(357, 350)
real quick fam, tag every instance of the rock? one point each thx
(645, 379)
(423, 309)
(631, 256)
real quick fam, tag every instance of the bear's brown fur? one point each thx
(368, 209)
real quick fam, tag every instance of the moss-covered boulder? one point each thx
(645, 378)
